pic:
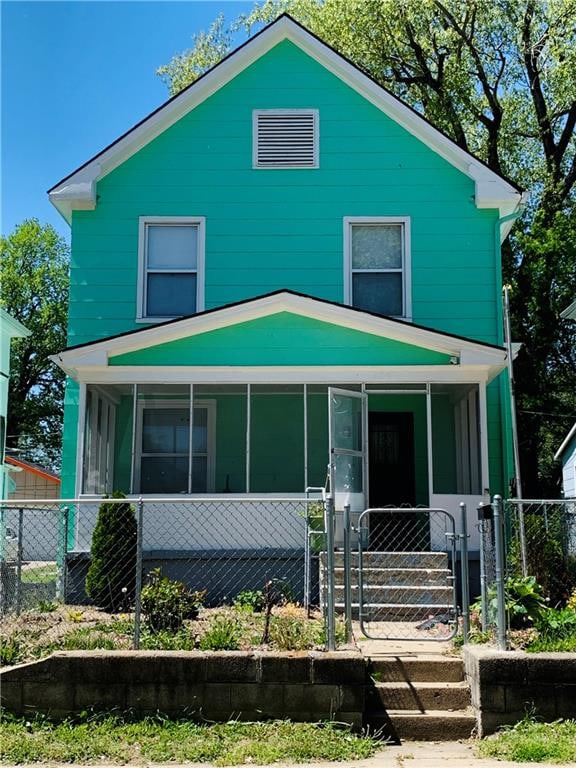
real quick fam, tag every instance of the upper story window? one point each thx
(285, 138)
(377, 265)
(171, 275)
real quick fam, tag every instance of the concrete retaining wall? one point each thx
(304, 686)
(505, 685)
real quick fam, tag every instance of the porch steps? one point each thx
(399, 559)
(419, 698)
(400, 576)
(397, 586)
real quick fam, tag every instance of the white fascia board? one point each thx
(285, 374)
(565, 442)
(11, 327)
(492, 191)
(570, 312)
(468, 352)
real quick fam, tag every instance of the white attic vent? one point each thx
(285, 138)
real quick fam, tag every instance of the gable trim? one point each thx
(78, 188)
(463, 350)
(565, 443)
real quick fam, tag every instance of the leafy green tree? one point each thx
(34, 262)
(498, 77)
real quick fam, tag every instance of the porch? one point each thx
(393, 444)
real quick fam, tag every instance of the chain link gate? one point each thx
(406, 573)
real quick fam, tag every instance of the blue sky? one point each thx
(75, 76)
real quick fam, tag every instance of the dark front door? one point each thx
(392, 481)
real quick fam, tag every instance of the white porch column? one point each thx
(483, 420)
(134, 417)
(248, 431)
(429, 442)
(80, 448)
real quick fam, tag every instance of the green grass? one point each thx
(117, 739)
(533, 742)
(42, 574)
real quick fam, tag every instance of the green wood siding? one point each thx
(271, 229)
(283, 339)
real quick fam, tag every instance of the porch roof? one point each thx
(283, 336)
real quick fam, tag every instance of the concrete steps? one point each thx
(423, 698)
(397, 586)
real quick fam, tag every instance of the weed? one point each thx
(524, 602)
(11, 651)
(223, 634)
(533, 742)
(86, 640)
(75, 616)
(47, 606)
(288, 633)
(167, 640)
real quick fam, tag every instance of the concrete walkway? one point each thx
(415, 754)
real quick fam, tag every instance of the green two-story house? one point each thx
(285, 267)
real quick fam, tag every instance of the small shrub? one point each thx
(572, 601)
(75, 616)
(223, 634)
(111, 577)
(167, 603)
(250, 599)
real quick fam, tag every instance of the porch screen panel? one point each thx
(456, 439)
(317, 434)
(229, 453)
(277, 439)
(98, 449)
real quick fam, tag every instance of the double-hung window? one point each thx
(171, 458)
(377, 265)
(171, 279)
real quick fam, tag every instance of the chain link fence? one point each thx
(217, 546)
(541, 542)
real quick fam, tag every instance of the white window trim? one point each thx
(404, 222)
(210, 406)
(143, 222)
(314, 112)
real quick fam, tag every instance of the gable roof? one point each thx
(95, 354)
(77, 191)
(32, 468)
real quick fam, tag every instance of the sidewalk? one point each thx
(414, 754)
